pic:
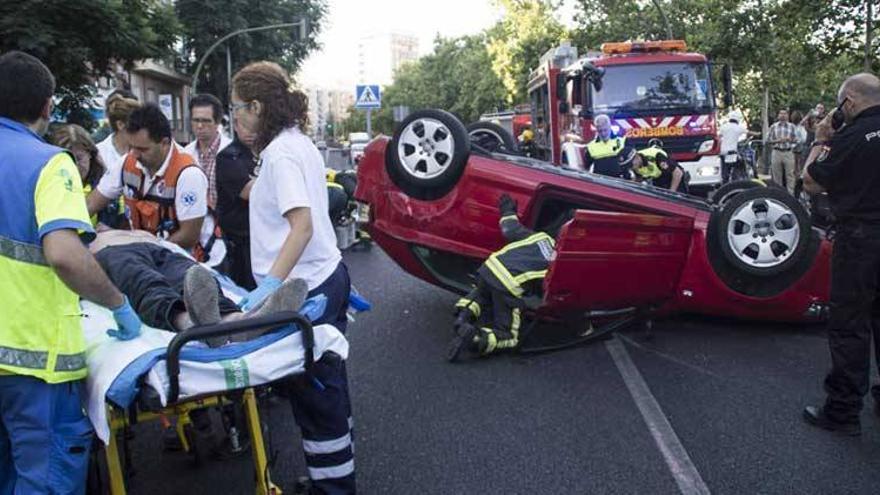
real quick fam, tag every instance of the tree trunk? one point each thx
(869, 24)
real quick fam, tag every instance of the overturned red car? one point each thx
(749, 253)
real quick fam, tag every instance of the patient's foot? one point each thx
(289, 297)
(201, 296)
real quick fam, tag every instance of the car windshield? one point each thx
(641, 87)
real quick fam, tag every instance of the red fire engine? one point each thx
(649, 90)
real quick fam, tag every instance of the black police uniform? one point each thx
(235, 168)
(850, 172)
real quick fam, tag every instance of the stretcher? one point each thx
(176, 373)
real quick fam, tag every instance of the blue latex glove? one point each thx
(256, 296)
(127, 321)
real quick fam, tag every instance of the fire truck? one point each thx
(654, 92)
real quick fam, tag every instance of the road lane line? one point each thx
(677, 459)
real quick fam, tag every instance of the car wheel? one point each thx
(763, 232)
(723, 194)
(428, 153)
(491, 137)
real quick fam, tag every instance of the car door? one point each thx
(611, 260)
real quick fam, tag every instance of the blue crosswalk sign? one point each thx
(367, 96)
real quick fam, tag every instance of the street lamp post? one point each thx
(665, 19)
(302, 23)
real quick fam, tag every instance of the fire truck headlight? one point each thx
(706, 146)
(707, 171)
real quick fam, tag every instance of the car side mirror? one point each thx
(727, 81)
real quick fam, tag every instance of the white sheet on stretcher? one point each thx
(115, 367)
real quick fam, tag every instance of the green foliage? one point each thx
(80, 40)
(515, 44)
(455, 77)
(206, 21)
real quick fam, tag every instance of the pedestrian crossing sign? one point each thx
(368, 96)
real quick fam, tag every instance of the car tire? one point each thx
(723, 194)
(763, 231)
(491, 137)
(428, 154)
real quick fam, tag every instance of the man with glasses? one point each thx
(844, 162)
(206, 112)
(783, 138)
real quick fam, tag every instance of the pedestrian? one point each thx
(601, 156)
(810, 121)
(44, 436)
(77, 141)
(292, 236)
(732, 133)
(206, 116)
(802, 146)
(844, 162)
(235, 171)
(165, 192)
(206, 113)
(783, 138)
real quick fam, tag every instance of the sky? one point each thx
(335, 65)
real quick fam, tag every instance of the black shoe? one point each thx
(464, 336)
(815, 416)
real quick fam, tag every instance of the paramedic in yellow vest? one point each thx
(166, 193)
(44, 265)
(601, 154)
(489, 317)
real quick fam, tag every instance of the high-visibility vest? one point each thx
(40, 329)
(153, 210)
(651, 167)
(522, 261)
(604, 155)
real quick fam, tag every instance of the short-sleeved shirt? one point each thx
(850, 170)
(782, 131)
(235, 168)
(731, 133)
(59, 200)
(291, 175)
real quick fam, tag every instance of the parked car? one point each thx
(751, 253)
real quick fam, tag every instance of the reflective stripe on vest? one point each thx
(20, 251)
(605, 149)
(38, 360)
(161, 193)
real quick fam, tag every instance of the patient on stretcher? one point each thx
(173, 292)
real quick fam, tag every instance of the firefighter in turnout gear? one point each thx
(489, 317)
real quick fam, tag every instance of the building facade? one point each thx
(381, 54)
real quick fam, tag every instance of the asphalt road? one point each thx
(563, 422)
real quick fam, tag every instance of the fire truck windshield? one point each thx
(641, 88)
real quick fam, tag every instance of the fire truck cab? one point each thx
(651, 91)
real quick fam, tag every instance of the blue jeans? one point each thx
(44, 437)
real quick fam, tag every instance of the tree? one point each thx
(517, 42)
(205, 21)
(80, 41)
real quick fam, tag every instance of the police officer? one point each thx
(44, 435)
(601, 156)
(655, 165)
(843, 162)
(511, 274)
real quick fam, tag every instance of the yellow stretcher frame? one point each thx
(119, 420)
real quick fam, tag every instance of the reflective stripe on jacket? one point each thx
(522, 261)
(40, 329)
(604, 155)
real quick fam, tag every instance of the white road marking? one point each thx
(677, 459)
